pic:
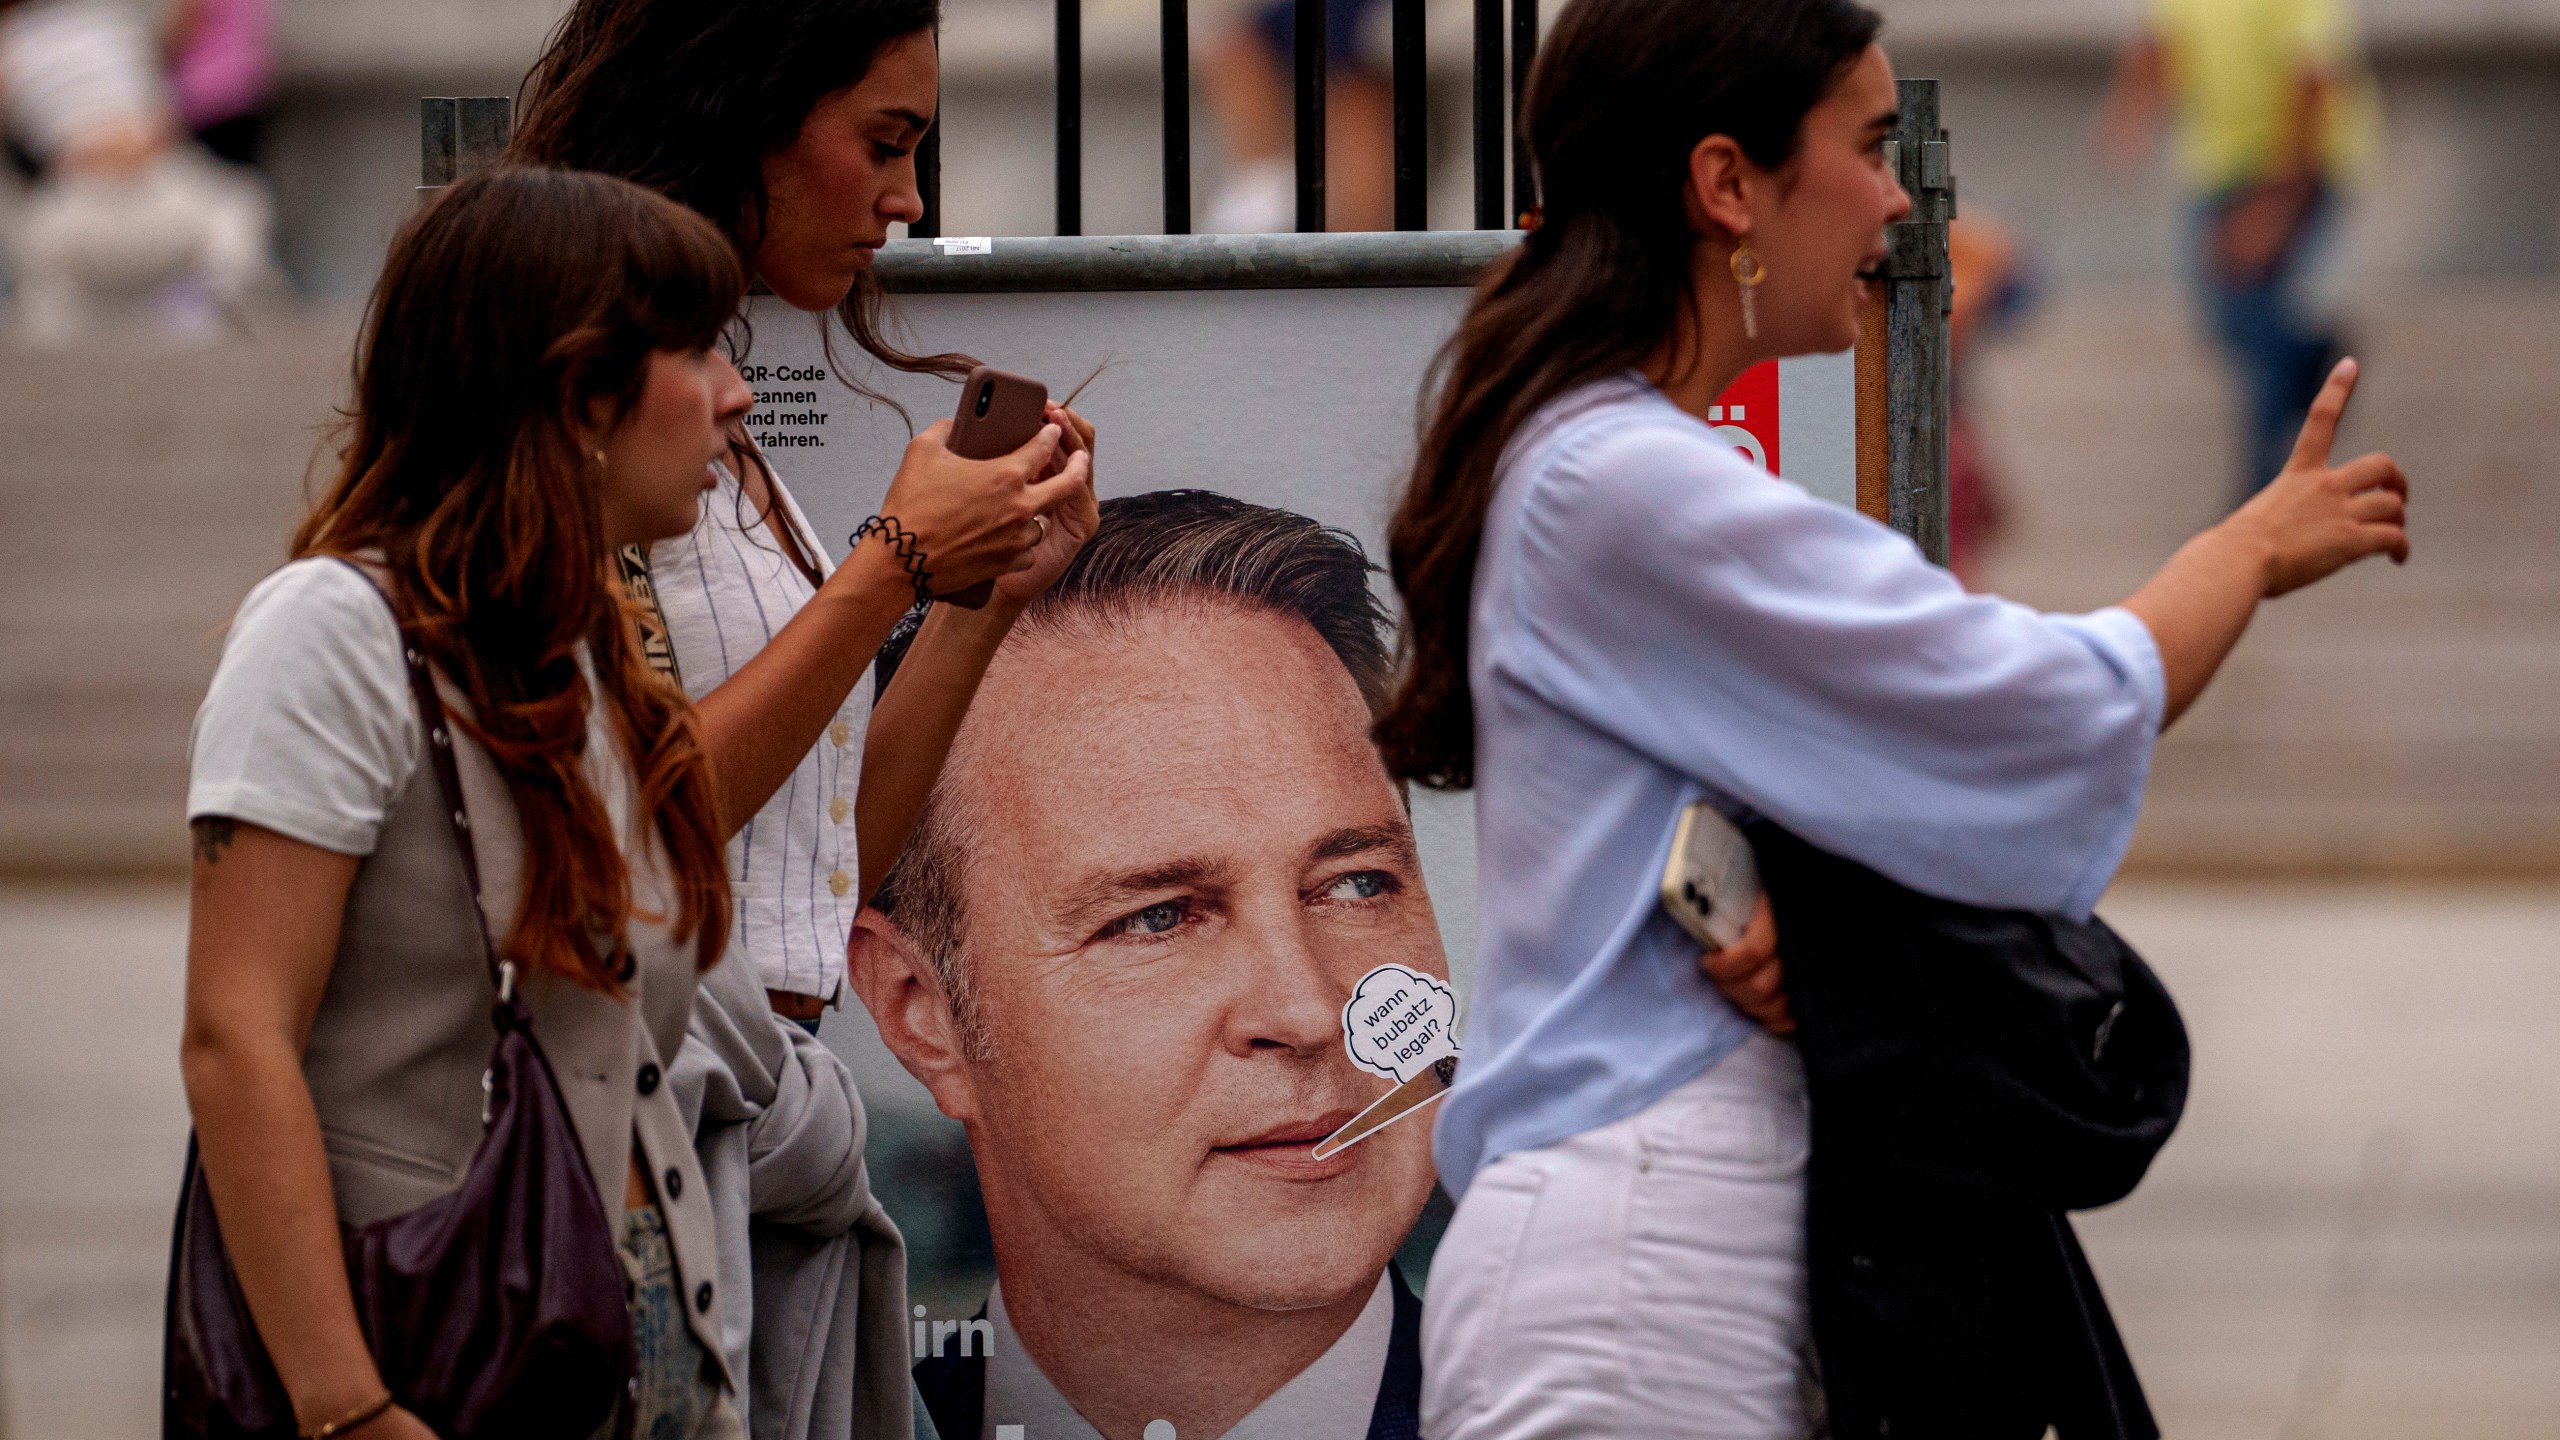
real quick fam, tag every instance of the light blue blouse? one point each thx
(1656, 620)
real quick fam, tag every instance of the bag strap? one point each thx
(657, 642)
(439, 737)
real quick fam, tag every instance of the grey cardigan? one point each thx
(402, 1038)
(814, 1273)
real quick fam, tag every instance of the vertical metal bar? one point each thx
(1177, 117)
(1312, 61)
(1410, 76)
(929, 181)
(1919, 296)
(1488, 114)
(439, 141)
(487, 122)
(1524, 49)
(1070, 118)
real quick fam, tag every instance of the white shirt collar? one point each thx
(1329, 1400)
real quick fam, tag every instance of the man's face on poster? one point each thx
(1177, 853)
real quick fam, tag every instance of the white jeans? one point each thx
(1646, 1278)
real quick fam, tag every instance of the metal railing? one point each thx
(1495, 117)
(1904, 361)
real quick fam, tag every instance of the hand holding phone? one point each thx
(1710, 884)
(998, 414)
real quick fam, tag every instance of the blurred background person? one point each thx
(1250, 74)
(1994, 291)
(123, 206)
(221, 57)
(2273, 112)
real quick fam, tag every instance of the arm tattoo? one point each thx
(213, 836)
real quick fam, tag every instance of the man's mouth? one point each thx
(1287, 1150)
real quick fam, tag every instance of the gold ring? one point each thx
(1043, 522)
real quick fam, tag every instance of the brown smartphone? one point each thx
(998, 414)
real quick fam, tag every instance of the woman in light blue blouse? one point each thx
(1612, 614)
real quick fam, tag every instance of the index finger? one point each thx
(2320, 427)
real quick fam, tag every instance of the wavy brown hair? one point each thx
(690, 98)
(520, 304)
(1622, 92)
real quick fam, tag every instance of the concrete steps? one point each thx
(142, 492)
(2392, 719)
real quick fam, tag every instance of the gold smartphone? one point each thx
(1710, 884)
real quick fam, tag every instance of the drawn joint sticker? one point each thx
(1402, 1025)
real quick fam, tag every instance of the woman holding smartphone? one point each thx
(1612, 614)
(792, 126)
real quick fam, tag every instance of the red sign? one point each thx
(1747, 415)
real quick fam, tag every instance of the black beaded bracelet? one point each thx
(902, 543)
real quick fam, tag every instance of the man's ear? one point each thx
(897, 984)
(1719, 200)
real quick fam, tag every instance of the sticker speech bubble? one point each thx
(1399, 1022)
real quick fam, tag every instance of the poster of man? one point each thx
(1118, 952)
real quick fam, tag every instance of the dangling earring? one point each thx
(1748, 272)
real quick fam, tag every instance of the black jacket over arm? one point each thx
(1974, 1074)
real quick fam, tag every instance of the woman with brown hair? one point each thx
(1612, 615)
(792, 125)
(537, 387)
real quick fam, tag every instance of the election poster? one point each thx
(1150, 1018)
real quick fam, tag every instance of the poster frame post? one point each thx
(1910, 332)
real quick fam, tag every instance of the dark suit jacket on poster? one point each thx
(954, 1387)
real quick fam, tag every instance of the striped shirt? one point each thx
(725, 589)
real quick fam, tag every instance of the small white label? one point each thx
(965, 244)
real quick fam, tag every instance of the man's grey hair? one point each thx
(1149, 550)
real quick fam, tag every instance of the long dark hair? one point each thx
(512, 307)
(689, 97)
(1622, 92)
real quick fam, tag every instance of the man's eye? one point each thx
(1157, 919)
(886, 153)
(1361, 885)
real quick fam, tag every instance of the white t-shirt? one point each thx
(308, 729)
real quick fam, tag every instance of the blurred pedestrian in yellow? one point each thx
(2274, 113)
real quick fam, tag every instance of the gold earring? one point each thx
(600, 460)
(1748, 272)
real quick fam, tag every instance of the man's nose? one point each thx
(1288, 1000)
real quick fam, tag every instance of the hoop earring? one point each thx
(1748, 272)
